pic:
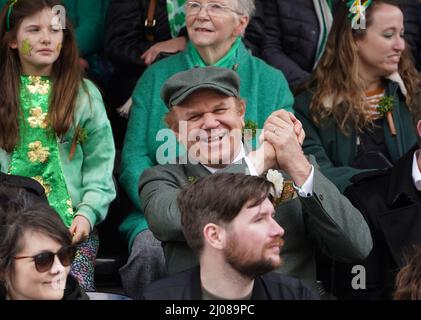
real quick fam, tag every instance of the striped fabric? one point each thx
(373, 99)
(323, 9)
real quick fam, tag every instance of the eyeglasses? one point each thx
(44, 260)
(212, 8)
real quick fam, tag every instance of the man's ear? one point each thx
(171, 121)
(214, 235)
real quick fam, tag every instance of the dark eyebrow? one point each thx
(262, 213)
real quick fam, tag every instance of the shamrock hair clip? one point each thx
(357, 10)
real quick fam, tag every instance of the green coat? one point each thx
(263, 87)
(325, 221)
(335, 152)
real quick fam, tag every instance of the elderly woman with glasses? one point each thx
(215, 30)
(35, 249)
(133, 41)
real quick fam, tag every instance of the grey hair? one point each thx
(246, 7)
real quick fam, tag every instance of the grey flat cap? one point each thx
(181, 85)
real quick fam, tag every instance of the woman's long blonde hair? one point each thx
(336, 76)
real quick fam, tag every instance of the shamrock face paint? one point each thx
(26, 48)
(38, 43)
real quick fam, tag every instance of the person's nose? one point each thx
(45, 37)
(210, 121)
(203, 12)
(276, 229)
(399, 44)
(57, 266)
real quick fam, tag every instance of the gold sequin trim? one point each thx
(38, 119)
(69, 209)
(38, 86)
(38, 152)
(46, 185)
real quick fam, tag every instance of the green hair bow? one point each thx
(357, 10)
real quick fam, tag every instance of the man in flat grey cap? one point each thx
(206, 114)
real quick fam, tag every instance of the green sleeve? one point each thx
(98, 188)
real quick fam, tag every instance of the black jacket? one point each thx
(292, 34)
(73, 291)
(410, 9)
(392, 207)
(185, 285)
(32, 186)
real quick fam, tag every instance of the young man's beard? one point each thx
(242, 262)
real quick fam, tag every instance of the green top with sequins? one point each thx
(87, 173)
(36, 155)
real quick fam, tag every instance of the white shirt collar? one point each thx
(240, 155)
(416, 173)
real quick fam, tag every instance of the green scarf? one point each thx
(37, 154)
(176, 16)
(224, 62)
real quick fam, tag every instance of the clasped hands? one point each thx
(280, 147)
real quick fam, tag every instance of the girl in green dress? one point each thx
(53, 124)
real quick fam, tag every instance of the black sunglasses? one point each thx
(44, 260)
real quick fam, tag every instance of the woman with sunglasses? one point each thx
(35, 250)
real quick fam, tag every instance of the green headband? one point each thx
(9, 13)
(357, 10)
